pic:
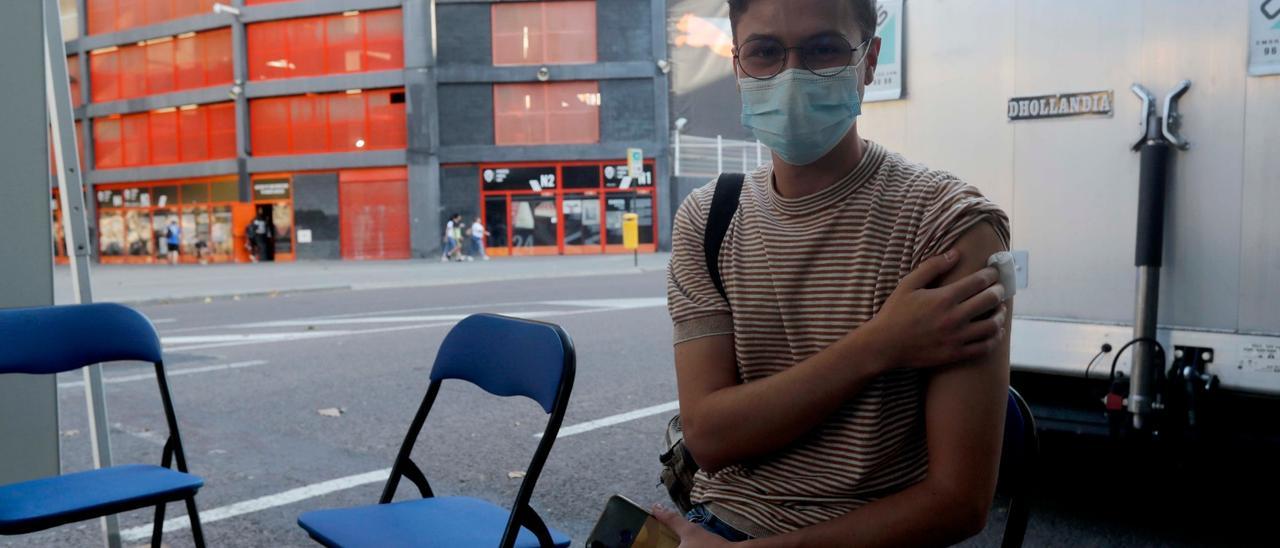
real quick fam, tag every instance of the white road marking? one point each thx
(615, 304)
(249, 337)
(615, 419)
(164, 320)
(314, 335)
(141, 532)
(291, 496)
(169, 373)
(392, 319)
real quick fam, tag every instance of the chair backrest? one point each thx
(53, 339)
(1017, 466)
(507, 357)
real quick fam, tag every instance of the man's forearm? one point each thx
(925, 514)
(735, 424)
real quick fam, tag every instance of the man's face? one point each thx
(796, 22)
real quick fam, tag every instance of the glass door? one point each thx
(618, 203)
(582, 224)
(533, 225)
(495, 221)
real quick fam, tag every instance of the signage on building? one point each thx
(535, 178)
(623, 178)
(635, 160)
(271, 189)
(888, 83)
(1264, 37)
(1062, 105)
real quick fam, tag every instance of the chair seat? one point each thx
(47, 502)
(444, 521)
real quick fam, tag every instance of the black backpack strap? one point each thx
(723, 205)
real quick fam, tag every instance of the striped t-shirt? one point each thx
(801, 273)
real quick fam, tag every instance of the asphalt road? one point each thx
(251, 376)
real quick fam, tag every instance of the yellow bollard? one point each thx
(631, 235)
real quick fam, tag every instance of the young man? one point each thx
(451, 242)
(173, 239)
(478, 234)
(850, 391)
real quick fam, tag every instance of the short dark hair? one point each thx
(864, 14)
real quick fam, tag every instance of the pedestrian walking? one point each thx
(173, 238)
(452, 235)
(478, 235)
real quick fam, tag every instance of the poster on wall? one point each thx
(888, 83)
(1264, 37)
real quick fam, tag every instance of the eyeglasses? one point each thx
(826, 56)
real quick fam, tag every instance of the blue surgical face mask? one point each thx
(799, 115)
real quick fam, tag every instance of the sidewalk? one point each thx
(163, 283)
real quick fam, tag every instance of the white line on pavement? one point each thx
(615, 419)
(169, 373)
(164, 320)
(240, 341)
(134, 534)
(291, 496)
(391, 319)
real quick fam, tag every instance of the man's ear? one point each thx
(873, 58)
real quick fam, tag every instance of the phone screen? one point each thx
(624, 524)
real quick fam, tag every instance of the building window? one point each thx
(117, 15)
(187, 61)
(166, 136)
(331, 44)
(546, 113)
(332, 122)
(537, 33)
(133, 220)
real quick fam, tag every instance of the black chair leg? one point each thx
(157, 526)
(197, 533)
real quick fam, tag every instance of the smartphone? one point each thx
(624, 524)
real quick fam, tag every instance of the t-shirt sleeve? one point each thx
(697, 309)
(953, 208)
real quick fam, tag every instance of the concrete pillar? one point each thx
(425, 228)
(28, 404)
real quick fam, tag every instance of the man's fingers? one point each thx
(963, 289)
(675, 522)
(985, 301)
(930, 270)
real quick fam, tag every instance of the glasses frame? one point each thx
(786, 55)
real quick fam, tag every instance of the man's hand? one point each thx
(921, 326)
(691, 535)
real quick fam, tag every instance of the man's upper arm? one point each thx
(965, 402)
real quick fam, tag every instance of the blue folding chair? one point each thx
(51, 340)
(1018, 462)
(506, 357)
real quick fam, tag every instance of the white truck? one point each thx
(1039, 104)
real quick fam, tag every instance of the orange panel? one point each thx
(104, 72)
(160, 65)
(306, 47)
(269, 126)
(133, 71)
(129, 14)
(215, 48)
(164, 137)
(102, 16)
(133, 131)
(307, 115)
(157, 11)
(241, 215)
(373, 174)
(551, 113)
(346, 122)
(107, 149)
(573, 112)
(517, 33)
(569, 35)
(344, 44)
(387, 125)
(73, 77)
(188, 63)
(384, 39)
(222, 130)
(193, 135)
(374, 218)
(268, 52)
